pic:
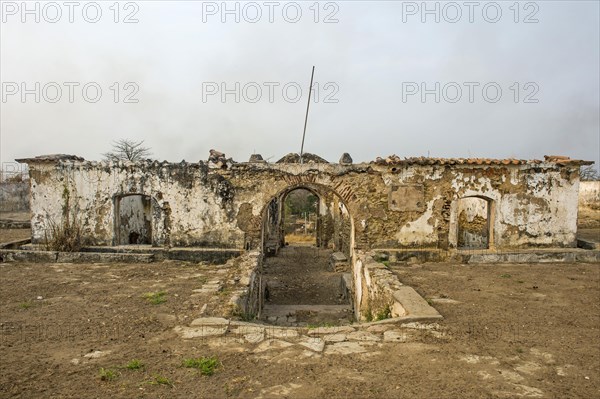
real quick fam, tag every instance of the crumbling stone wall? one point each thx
(398, 204)
(342, 225)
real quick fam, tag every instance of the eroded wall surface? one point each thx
(390, 205)
(589, 194)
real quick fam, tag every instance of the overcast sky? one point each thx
(510, 81)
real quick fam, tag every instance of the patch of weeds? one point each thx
(206, 365)
(135, 365)
(505, 275)
(429, 301)
(66, 235)
(380, 258)
(384, 313)
(368, 315)
(25, 305)
(519, 350)
(520, 281)
(156, 298)
(240, 314)
(160, 380)
(386, 263)
(108, 374)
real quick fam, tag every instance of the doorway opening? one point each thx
(474, 215)
(308, 233)
(133, 214)
(300, 215)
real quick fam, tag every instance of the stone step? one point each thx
(284, 310)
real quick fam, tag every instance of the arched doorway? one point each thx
(308, 238)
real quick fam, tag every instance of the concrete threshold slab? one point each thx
(534, 256)
(589, 253)
(194, 254)
(126, 253)
(14, 255)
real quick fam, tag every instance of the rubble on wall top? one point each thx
(345, 159)
(257, 158)
(292, 157)
(396, 160)
(217, 160)
(562, 160)
(51, 158)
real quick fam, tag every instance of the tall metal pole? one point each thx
(306, 117)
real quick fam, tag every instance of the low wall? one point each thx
(379, 295)
(247, 301)
(14, 197)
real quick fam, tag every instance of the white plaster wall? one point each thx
(545, 214)
(196, 211)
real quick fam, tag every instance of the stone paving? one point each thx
(337, 340)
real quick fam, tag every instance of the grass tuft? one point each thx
(135, 365)
(108, 374)
(206, 365)
(156, 298)
(384, 313)
(160, 380)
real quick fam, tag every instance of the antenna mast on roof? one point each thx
(306, 117)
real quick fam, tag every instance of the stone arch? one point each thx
(270, 217)
(473, 219)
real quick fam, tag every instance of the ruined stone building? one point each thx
(393, 203)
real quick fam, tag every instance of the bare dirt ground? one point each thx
(509, 331)
(588, 218)
(299, 275)
(300, 238)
